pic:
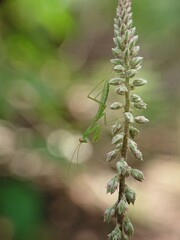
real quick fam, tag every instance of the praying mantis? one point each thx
(94, 126)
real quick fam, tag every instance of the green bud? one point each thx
(117, 138)
(135, 61)
(121, 90)
(129, 24)
(138, 175)
(116, 128)
(116, 27)
(123, 29)
(126, 54)
(133, 132)
(116, 105)
(122, 206)
(135, 98)
(131, 73)
(123, 14)
(140, 105)
(135, 39)
(112, 155)
(112, 185)
(115, 234)
(129, 117)
(116, 51)
(139, 82)
(116, 33)
(115, 41)
(116, 21)
(116, 81)
(141, 119)
(135, 51)
(127, 36)
(133, 30)
(138, 67)
(116, 61)
(134, 150)
(118, 68)
(109, 214)
(121, 167)
(120, 43)
(128, 227)
(130, 195)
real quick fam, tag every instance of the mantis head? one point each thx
(83, 140)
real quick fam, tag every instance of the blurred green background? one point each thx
(52, 54)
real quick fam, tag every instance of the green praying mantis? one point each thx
(94, 127)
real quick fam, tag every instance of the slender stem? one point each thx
(124, 152)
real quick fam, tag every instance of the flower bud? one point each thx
(121, 44)
(115, 39)
(112, 155)
(133, 30)
(116, 81)
(122, 28)
(138, 175)
(135, 61)
(129, 24)
(130, 195)
(115, 234)
(121, 167)
(121, 90)
(128, 227)
(129, 117)
(127, 36)
(116, 27)
(109, 214)
(139, 82)
(122, 206)
(116, 33)
(112, 185)
(116, 128)
(133, 132)
(126, 54)
(117, 138)
(135, 39)
(116, 51)
(131, 73)
(135, 98)
(116, 21)
(116, 61)
(116, 105)
(140, 105)
(134, 150)
(135, 51)
(118, 68)
(141, 119)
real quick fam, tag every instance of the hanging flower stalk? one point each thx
(126, 63)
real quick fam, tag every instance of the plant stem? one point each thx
(124, 152)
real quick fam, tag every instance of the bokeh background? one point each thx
(52, 54)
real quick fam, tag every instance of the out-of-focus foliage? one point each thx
(52, 53)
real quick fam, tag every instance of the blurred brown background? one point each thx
(52, 54)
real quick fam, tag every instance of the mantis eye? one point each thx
(83, 140)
